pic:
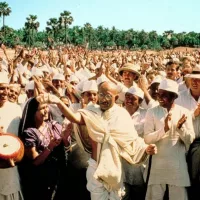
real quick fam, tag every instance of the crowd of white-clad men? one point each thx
(160, 91)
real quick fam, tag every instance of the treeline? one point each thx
(59, 32)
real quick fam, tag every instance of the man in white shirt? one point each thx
(170, 127)
(10, 115)
(190, 99)
(133, 175)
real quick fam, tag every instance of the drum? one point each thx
(11, 147)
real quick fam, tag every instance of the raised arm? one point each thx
(67, 112)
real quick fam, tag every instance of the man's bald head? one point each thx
(109, 86)
(108, 94)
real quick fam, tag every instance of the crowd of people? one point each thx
(101, 125)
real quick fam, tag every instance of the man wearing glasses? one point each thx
(112, 136)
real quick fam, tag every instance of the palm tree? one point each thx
(4, 11)
(65, 20)
(53, 27)
(168, 34)
(88, 31)
(31, 26)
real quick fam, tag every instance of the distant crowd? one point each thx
(101, 125)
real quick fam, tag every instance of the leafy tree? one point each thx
(88, 31)
(76, 34)
(65, 20)
(5, 10)
(52, 28)
(174, 41)
(31, 27)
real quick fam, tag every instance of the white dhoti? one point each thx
(95, 187)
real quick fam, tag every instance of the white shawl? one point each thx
(114, 129)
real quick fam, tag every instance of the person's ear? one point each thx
(116, 97)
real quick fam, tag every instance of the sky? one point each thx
(147, 15)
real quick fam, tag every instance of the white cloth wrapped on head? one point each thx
(89, 86)
(136, 91)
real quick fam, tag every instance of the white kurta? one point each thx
(132, 173)
(169, 164)
(138, 120)
(10, 115)
(186, 100)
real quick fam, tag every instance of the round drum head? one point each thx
(8, 145)
(11, 147)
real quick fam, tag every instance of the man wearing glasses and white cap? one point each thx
(112, 136)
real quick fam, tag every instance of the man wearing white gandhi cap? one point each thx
(10, 115)
(170, 127)
(112, 137)
(88, 93)
(133, 179)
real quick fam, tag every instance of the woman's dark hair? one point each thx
(28, 115)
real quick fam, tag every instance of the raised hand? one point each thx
(197, 110)
(48, 98)
(167, 119)
(181, 121)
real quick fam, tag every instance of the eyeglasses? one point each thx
(106, 96)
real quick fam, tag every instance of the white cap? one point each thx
(83, 74)
(136, 91)
(157, 79)
(73, 78)
(176, 60)
(90, 86)
(102, 79)
(68, 71)
(59, 77)
(37, 72)
(30, 86)
(169, 85)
